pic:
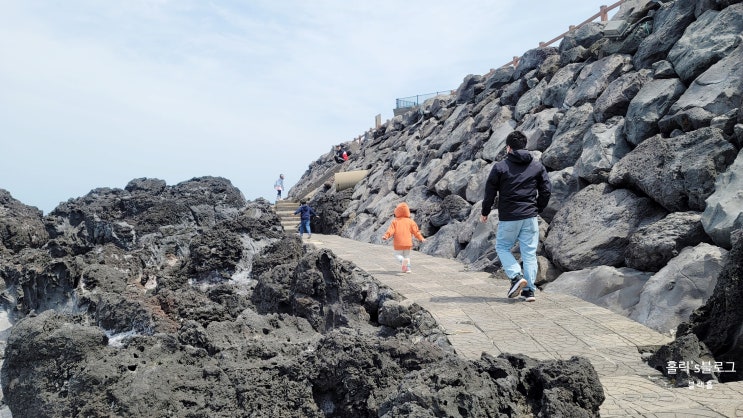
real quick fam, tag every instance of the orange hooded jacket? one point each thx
(402, 229)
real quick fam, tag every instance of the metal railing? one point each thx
(603, 14)
(416, 100)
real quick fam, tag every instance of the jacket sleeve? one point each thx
(298, 210)
(544, 188)
(416, 232)
(390, 231)
(491, 190)
(312, 212)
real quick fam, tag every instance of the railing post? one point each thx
(571, 28)
(604, 14)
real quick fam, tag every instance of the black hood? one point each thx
(520, 156)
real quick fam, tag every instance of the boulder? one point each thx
(616, 289)
(716, 91)
(539, 128)
(530, 100)
(454, 140)
(615, 99)
(21, 226)
(532, 59)
(576, 241)
(693, 353)
(669, 23)
(663, 69)
(453, 208)
(456, 181)
(557, 89)
(471, 86)
(480, 249)
(651, 247)
(595, 77)
(584, 36)
(475, 190)
(679, 173)
(513, 91)
(496, 144)
(670, 296)
(719, 322)
(648, 106)
(497, 78)
(603, 146)
(723, 212)
(564, 185)
(707, 40)
(567, 142)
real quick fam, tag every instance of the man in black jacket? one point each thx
(524, 189)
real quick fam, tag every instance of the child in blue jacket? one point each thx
(305, 213)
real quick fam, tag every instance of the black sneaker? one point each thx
(528, 295)
(517, 283)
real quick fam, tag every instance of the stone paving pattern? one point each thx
(478, 317)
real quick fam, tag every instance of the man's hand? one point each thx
(483, 218)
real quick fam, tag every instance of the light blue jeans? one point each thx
(526, 231)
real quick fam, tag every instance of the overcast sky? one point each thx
(95, 93)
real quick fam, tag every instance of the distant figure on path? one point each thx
(524, 189)
(279, 186)
(305, 214)
(403, 229)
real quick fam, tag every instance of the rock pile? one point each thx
(641, 134)
(188, 301)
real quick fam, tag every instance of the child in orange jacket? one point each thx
(403, 229)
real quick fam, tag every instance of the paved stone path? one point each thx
(478, 317)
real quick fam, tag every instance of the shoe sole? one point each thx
(530, 299)
(516, 289)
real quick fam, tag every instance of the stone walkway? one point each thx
(477, 316)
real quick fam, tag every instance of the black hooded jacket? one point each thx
(523, 185)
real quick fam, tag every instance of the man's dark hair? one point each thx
(516, 140)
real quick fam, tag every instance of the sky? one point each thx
(95, 93)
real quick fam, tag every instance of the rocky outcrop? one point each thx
(576, 241)
(705, 41)
(723, 212)
(670, 296)
(714, 93)
(636, 131)
(679, 172)
(187, 300)
(21, 226)
(654, 245)
(712, 334)
(617, 289)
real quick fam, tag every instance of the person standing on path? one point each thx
(305, 214)
(525, 190)
(403, 229)
(279, 186)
